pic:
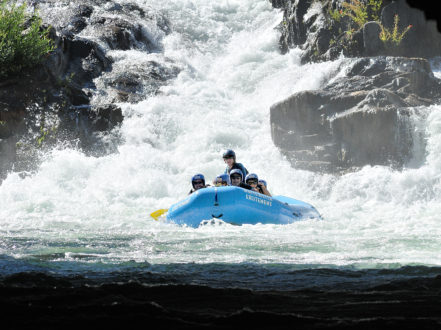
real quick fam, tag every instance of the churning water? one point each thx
(80, 214)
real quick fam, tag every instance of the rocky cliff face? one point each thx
(72, 98)
(361, 118)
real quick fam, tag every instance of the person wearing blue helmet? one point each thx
(236, 178)
(229, 157)
(198, 182)
(253, 180)
(222, 180)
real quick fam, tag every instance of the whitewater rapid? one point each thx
(78, 210)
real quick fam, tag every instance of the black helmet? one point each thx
(236, 171)
(229, 153)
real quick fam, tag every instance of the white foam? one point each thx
(232, 72)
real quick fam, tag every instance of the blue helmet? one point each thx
(252, 176)
(197, 177)
(224, 177)
(237, 171)
(263, 182)
(229, 153)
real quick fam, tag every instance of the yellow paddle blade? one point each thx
(155, 215)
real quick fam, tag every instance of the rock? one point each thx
(277, 3)
(374, 133)
(371, 40)
(121, 34)
(361, 119)
(84, 10)
(90, 128)
(136, 85)
(105, 117)
(8, 155)
(323, 40)
(87, 61)
(294, 31)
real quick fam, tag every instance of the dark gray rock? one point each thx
(105, 117)
(361, 119)
(136, 85)
(324, 37)
(371, 38)
(8, 152)
(293, 29)
(122, 34)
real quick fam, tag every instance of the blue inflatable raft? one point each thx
(238, 206)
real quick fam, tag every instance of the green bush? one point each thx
(393, 37)
(23, 41)
(360, 12)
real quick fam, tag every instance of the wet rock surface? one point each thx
(141, 81)
(356, 120)
(40, 300)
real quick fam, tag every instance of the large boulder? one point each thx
(361, 119)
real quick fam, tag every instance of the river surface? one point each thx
(90, 215)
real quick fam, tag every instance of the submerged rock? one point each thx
(360, 119)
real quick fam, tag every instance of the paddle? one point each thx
(155, 215)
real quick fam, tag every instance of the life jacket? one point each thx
(238, 166)
(245, 186)
(192, 190)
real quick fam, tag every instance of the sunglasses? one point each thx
(229, 157)
(252, 181)
(220, 184)
(198, 182)
(236, 177)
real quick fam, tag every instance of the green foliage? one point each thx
(375, 9)
(335, 14)
(350, 33)
(392, 37)
(45, 134)
(23, 41)
(42, 137)
(357, 11)
(360, 12)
